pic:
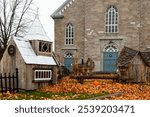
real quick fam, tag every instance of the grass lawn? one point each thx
(39, 95)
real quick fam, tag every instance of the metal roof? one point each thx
(36, 31)
(29, 55)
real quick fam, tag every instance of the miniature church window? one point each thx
(44, 47)
(69, 34)
(112, 19)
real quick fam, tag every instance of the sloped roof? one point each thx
(146, 57)
(61, 9)
(36, 31)
(125, 57)
(29, 55)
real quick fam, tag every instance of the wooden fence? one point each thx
(9, 82)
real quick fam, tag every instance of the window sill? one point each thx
(70, 47)
(111, 38)
(42, 80)
(45, 53)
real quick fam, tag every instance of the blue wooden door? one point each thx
(68, 63)
(109, 61)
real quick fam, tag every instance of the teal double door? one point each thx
(109, 61)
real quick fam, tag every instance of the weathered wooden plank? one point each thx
(81, 78)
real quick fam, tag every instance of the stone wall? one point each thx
(73, 14)
(88, 18)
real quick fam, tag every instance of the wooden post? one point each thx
(5, 78)
(55, 75)
(1, 83)
(80, 79)
(17, 80)
(13, 77)
(9, 77)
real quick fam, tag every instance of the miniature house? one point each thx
(134, 66)
(33, 57)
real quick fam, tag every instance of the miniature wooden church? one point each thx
(33, 57)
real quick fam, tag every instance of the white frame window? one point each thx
(42, 75)
(112, 19)
(69, 34)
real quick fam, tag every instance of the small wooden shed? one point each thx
(33, 57)
(134, 66)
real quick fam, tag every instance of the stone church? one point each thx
(99, 29)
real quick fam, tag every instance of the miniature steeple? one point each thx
(36, 31)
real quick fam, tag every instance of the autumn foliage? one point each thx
(71, 89)
(129, 91)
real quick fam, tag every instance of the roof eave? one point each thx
(57, 16)
(57, 13)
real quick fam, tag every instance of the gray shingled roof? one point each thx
(146, 57)
(127, 55)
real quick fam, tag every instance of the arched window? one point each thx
(111, 47)
(68, 55)
(69, 34)
(112, 19)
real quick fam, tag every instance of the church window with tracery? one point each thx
(69, 34)
(112, 19)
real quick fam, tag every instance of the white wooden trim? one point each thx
(41, 77)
